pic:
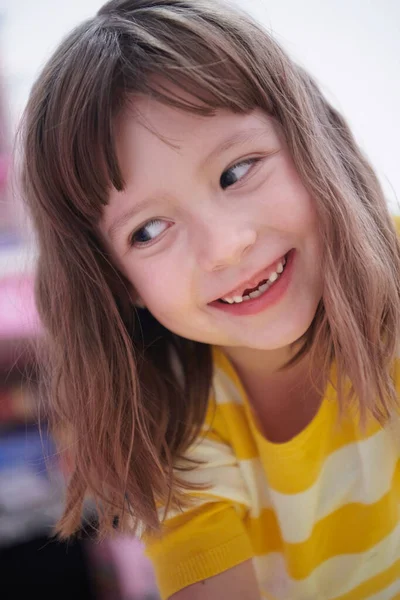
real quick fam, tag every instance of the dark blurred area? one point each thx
(32, 560)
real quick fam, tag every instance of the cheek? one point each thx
(163, 288)
(291, 204)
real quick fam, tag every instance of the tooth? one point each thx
(262, 288)
(273, 277)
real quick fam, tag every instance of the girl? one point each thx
(219, 283)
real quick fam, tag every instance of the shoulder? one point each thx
(227, 397)
(227, 387)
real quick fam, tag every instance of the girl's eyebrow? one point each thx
(238, 138)
(127, 216)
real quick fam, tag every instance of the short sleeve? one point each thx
(209, 537)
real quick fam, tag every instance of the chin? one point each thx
(284, 334)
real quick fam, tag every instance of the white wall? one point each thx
(351, 46)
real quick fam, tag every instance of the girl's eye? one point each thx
(147, 233)
(237, 172)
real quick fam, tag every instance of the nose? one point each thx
(224, 243)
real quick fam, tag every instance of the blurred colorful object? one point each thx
(3, 171)
(19, 321)
(18, 316)
(17, 404)
(31, 487)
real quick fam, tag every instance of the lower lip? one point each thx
(272, 296)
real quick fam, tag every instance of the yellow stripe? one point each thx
(375, 584)
(339, 484)
(353, 528)
(241, 438)
(354, 570)
(264, 532)
(222, 362)
(396, 219)
(209, 434)
(294, 466)
(336, 474)
(297, 474)
(194, 520)
(215, 422)
(211, 542)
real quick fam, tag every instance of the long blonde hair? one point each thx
(106, 367)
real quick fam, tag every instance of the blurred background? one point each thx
(352, 47)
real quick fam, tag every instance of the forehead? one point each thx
(146, 126)
(161, 147)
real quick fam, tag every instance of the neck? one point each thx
(283, 401)
(260, 373)
(259, 363)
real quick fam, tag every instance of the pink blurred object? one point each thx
(19, 320)
(134, 570)
(18, 315)
(4, 162)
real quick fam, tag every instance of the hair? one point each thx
(107, 368)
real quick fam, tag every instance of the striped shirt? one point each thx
(318, 515)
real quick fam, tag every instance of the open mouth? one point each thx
(262, 287)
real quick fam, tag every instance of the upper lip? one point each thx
(251, 281)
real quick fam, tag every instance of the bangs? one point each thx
(109, 60)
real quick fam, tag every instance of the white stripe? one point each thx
(334, 577)
(361, 472)
(388, 593)
(358, 473)
(220, 470)
(259, 493)
(226, 392)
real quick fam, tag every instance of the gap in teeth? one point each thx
(262, 287)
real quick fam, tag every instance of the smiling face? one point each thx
(211, 206)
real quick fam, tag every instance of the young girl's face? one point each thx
(211, 206)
